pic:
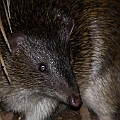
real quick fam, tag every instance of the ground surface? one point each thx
(81, 114)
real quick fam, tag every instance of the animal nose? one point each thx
(75, 100)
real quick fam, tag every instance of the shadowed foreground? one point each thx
(81, 114)
(68, 114)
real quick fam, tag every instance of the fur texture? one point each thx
(95, 56)
(39, 65)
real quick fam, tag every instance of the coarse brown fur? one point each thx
(95, 46)
(95, 55)
(40, 37)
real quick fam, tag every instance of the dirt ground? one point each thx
(81, 114)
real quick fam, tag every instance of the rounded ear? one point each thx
(15, 40)
(70, 27)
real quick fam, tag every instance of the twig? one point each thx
(8, 6)
(4, 68)
(7, 13)
(4, 35)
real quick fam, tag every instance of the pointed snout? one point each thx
(75, 100)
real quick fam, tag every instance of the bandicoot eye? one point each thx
(42, 67)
